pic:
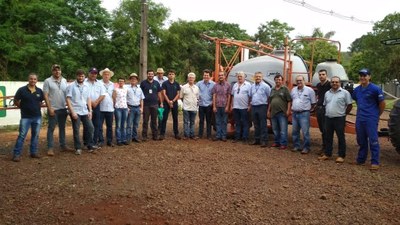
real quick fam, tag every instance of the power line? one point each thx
(328, 12)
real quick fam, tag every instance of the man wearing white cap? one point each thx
(107, 107)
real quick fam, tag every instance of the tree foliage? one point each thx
(273, 33)
(368, 51)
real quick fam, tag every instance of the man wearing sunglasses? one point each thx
(370, 105)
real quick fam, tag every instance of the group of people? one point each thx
(94, 102)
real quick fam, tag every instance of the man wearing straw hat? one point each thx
(107, 108)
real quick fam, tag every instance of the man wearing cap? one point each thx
(152, 93)
(80, 107)
(107, 107)
(205, 103)
(370, 105)
(55, 90)
(160, 78)
(240, 105)
(171, 91)
(29, 99)
(135, 98)
(97, 93)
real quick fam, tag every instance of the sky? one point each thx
(250, 14)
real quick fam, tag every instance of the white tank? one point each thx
(333, 69)
(269, 66)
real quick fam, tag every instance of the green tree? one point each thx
(38, 33)
(383, 60)
(273, 33)
(125, 36)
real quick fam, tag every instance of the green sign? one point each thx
(3, 112)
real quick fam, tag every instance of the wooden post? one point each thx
(143, 41)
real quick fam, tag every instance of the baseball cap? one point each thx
(364, 71)
(55, 66)
(93, 70)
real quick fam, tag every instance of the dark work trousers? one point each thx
(320, 111)
(205, 112)
(150, 112)
(108, 117)
(174, 111)
(335, 124)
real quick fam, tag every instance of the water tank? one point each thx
(333, 69)
(269, 66)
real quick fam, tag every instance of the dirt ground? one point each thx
(196, 182)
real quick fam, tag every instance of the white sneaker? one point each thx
(78, 151)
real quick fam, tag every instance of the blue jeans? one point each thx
(259, 114)
(96, 120)
(367, 135)
(301, 121)
(205, 112)
(24, 125)
(120, 120)
(241, 124)
(221, 122)
(280, 128)
(174, 111)
(188, 122)
(133, 123)
(108, 117)
(59, 118)
(87, 130)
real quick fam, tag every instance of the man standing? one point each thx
(171, 91)
(279, 111)
(370, 105)
(29, 99)
(107, 108)
(240, 104)
(152, 93)
(160, 78)
(205, 103)
(303, 102)
(97, 93)
(80, 107)
(135, 98)
(322, 87)
(55, 89)
(337, 104)
(221, 100)
(190, 98)
(259, 94)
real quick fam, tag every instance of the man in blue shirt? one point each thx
(29, 99)
(205, 103)
(370, 105)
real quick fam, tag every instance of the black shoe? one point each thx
(256, 142)
(216, 139)
(155, 138)
(235, 140)
(264, 145)
(135, 140)
(119, 143)
(125, 143)
(35, 156)
(162, 137)
(110, 144)
(177, 137)
(224, 139)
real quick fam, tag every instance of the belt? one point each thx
(134, 106)
(301, 111)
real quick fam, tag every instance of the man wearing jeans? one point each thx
(278, 111)
(190, 99)
(134, 99)
(259, 94)
(240, 105)
(55, 90)
(303, 102)
(29, 99)
(221, 100)
(80, 107)
(337, 104)
(107, 108)
(205, 103)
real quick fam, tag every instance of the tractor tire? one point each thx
(394, 126)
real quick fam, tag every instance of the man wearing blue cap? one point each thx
(370, 105)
